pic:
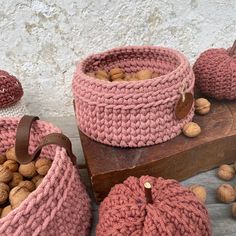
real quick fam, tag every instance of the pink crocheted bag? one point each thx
(134, 113)
(60, 205)
(149, 206)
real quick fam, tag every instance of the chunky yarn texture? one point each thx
(135, 113)
(215, 73)
(10, 89)
(15, 110)
(175, 210)
(60, 205)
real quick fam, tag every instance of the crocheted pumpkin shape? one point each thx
(215, 72)
(174, 211)
(10, 89)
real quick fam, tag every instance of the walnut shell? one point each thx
(6, 210)
(3, 158)
(226, 193)
(16, 179)
(226, 172)
(144, 74)
(116, 74)
(11, 165)
(39, 182)
(233, 210)
(17, 196)
(199, 191)
(102, 74)
(191, 129)
(28, 170)
(4, 192)
(27, 184)
(36, 178)
(43, 165)
(5, 174)
(202, 106)
(11, 154)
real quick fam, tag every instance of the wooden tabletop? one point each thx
(222, 222)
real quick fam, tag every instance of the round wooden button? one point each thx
(183, 106)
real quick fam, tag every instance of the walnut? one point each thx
(43, 165)
(5, 174)
(4, 192)
(199, 191)
(117, 74)
(226, 193)
(11, 154)
(16, 179)
(27, 184)
(39, 182)
(234, 210)
(226, 172)
(36, 178)
(3, 158)
(144, 74)
(202, 106)
(17, 196)
(11, 165)
(191, 129)
(6, 210)
(28, 170)
(101, 74)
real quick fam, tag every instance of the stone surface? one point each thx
(41, 40)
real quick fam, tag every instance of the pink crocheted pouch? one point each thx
(60, 205)
(134, 113)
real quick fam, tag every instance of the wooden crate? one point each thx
(178, 158)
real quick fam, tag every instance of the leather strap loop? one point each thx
(22, 141)
(57, 139)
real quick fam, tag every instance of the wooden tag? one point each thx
(183, 106)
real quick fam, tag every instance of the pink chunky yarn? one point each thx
(175, 210)
(215, 72)
(60, 205)
(135, 113)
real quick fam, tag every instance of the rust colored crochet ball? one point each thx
(10, 89)
(175, 210)
(215, 72)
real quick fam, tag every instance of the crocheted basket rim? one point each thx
(37, 192)
(131, 84)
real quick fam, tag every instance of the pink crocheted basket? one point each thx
(60, 205)
(135, 113)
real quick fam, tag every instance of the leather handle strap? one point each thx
(22, 139)
(22, 142)
(57, 139)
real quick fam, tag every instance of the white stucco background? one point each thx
(41, 40)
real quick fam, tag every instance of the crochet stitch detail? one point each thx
(10, 89)
(175, 210)
(60, 205)
(135, 113)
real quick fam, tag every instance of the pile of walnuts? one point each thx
(226, 193)
(117, 74)
(202, 107)
(17, 181)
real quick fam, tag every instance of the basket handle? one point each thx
(22, 141)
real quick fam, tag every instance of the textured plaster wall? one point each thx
(41, 40)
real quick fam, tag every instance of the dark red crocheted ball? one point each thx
(215, 72)
(10, 89)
